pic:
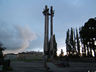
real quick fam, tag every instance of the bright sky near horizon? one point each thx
(22, 22)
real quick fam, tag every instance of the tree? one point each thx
(68, 47)
(62, 53)
(1, 54)
(78, 42)
(72, 41)
(55, 46)
(88, 35)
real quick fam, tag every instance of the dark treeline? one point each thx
(4, 63)
(82, 41)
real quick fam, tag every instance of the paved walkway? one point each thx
(74, 67)
(38, 66)
(20, 66)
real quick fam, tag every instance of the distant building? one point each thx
(30, 55)
(10, 56)
(24, 55)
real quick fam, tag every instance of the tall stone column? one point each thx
(51, 33)
(52, 14)
(46, 33)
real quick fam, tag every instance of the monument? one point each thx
(50, 45)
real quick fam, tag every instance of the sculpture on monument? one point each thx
(50, 46)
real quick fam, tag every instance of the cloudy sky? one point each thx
(22, 22)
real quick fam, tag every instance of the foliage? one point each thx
(84, 40)
(62, 53)
(71, 42)
(88, 35)
(78, 42)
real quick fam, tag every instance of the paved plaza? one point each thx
(38, 66)
(35, 66)
(74, 67)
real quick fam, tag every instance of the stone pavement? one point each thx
(38, 66)
(74, 67)
(20, 66)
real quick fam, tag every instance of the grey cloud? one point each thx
(15, 38)
(36, 44)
